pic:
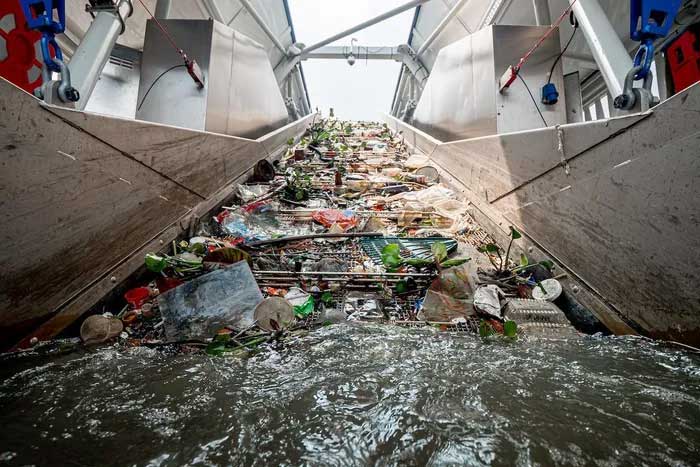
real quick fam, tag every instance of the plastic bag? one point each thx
(302, 302)
(202, 306)
(450, 295)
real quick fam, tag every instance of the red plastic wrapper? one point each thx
(328, 217)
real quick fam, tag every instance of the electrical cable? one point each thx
(574, 23)
(545, 36)
(191, 65)
(155, 81)
(533, 100)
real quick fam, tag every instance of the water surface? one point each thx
(359, 395)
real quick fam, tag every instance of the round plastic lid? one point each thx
(277, 309)
(551, 286)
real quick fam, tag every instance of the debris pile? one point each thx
(348, 226)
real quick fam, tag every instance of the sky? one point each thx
(365, 90)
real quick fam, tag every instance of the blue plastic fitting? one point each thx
(550, 95)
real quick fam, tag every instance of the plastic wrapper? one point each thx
(250, 192)
(486, 300)
(259, 226)
(199, 308)
(328, 217)
(429, 196)
(416, 161)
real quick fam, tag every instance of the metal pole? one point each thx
(399, 94)
(543, 16)
(214, 11)
(162, 9)
(258, 19)
(366, 24)
(92, 54)
(289, 87)
(436, 32)
(609, 52)
(300, 87)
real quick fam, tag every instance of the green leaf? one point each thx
(224, 338)
(485, 329)
(290, 142)
(391, 256)
(510, 329)
(216, 348)
(401, 287)
(155, 263)
(450, 263)
(514, 233)
(547, 264)
(524, 262)
(391, 248)
(439, 251)
(391, 261)
(327, 298)
(488, 248)
(198, 249)
(419, 263)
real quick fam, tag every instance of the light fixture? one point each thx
(351, 55)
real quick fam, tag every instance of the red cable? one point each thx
(543, 38)
(165, 32)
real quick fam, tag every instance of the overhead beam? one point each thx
(261, 22)
(214, 10)
(494, 12)
(365, 24)
(609, 52)
(332, 52)
(440, 27)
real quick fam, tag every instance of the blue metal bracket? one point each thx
(650, 20)
(40, 16)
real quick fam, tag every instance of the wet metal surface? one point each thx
(359, 395)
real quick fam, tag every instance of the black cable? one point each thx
(549, 80)
(154, 83)
(533, 100)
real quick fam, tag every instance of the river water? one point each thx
(359, 395)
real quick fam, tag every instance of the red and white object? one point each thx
(20, 48)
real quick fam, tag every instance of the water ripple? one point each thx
(359, 395)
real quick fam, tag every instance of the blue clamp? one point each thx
(40, 16)
(650, 20)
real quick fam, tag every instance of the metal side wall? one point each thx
(84, 196)
(615, 202)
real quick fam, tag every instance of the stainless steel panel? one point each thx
(173, 98)
(117, 89)
(574, 102)
(120, 185)
(256, 106)
(240, 96)
(516, 111)
(620, 215)
(222, 43)
(461, 99)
